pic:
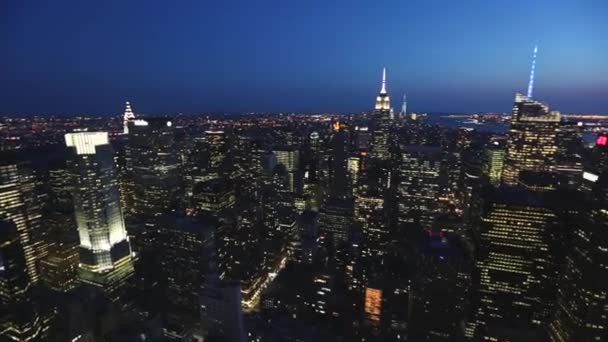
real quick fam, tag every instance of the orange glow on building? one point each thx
(337, 126)
(373, 304)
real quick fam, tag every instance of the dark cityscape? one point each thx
(251, 200)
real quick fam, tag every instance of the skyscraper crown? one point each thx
(382, 100)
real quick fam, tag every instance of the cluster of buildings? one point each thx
(369, 227)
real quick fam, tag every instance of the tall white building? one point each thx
(105, 252)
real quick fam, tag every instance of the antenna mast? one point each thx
(531, 84)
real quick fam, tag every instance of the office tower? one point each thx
(105, 252)
(515, 262)
(127, 117)
(381, 120)
(153, 165)
(217, 147)
(59, 269)
(220, 309)
(493, 161)
(213, 196)
(439, 289)
(419, 183)
(336, 219)
(581, 312)
(306, 242)
(532, 143)
(188, 254)
(19, 204)
(363, 138)
(569, 138)
(20, 318)
(370, 216)
(338, 177)
(290, 158)
(354, 168)
(404, 108)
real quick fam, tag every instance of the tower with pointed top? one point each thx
(404, 107)
(532, 144)
(381, 119)
(127, 116)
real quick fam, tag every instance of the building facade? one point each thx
(105, 252)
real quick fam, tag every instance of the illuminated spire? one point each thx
(382, 100)
(404, 105)
(127, 116)
(383, 90)
(531, 84)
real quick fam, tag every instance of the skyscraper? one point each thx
(188, 254)
(221, 312)
(290, 158)
(336, 219)
(532, 144)
(439, 289)
(581, 310)
(370, 215)
(404, 108)
(515, 263)
(18, 203)
(532, 141)
(127, 117)
(20, 319)
(153, 164)
(493, 161)
(105, 252)
(217, 149)
(381, 119)
(418, 188)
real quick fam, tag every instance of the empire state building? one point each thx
(381, 119)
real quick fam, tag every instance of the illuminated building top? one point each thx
(382, 100)
(127, 116)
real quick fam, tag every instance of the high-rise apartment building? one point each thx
(105, 252)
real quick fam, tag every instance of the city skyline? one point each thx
(237, 172)
(190, 59)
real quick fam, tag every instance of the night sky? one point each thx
(76, 57)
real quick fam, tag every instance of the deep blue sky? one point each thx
(206, 55)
